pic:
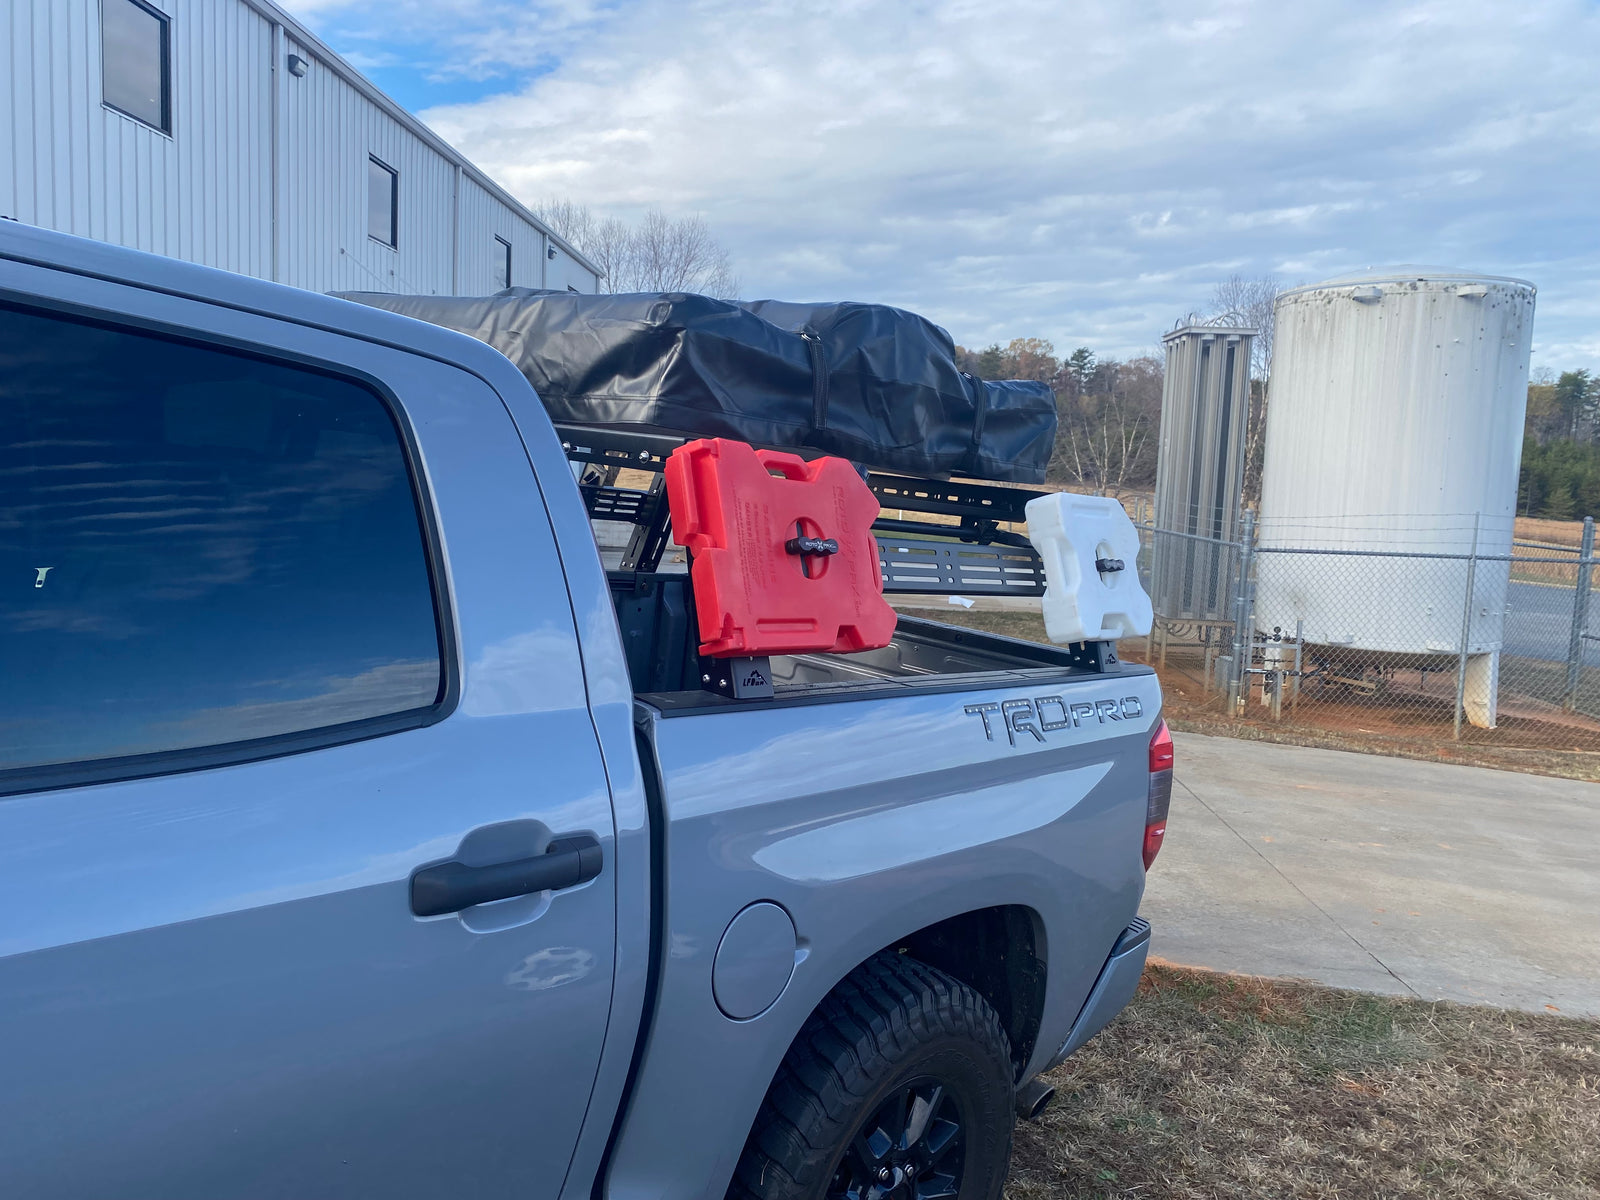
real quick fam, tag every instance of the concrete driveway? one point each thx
(1385, 874)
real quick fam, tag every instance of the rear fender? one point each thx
(868, 820)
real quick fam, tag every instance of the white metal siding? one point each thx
(483, 218)
(207, 192)
(69, 163)
(564, 271)
(1395, 423)
(330, 129)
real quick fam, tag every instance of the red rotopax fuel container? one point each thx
(782, 563)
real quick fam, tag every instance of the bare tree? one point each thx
(1105, 440)
(1105, 437)
(1250, 302)
(676, 254)
(572, 222)
(660, 254)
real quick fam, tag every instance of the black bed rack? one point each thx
(974, 557)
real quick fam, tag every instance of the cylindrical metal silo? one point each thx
(1394, 423)
(1205, 407)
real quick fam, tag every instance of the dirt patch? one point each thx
(1213, 1086)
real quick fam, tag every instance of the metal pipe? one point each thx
(1580, 615)
(1192, 537)
(1241, 637)
(1299, 646)
(1505, 558)
(1466, 628)
(1033, 1098)
(1564, 560)
(456, 233)
(275, 157)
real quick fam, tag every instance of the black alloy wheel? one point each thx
(910, 1149)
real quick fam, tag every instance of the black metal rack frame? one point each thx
(974, 557)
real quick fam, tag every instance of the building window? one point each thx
(502, 263)
(383, 203)
(136, 62)
(207, 549)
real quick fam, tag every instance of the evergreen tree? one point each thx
(1081, 366)
(991, 362)
(1560, 479)
(1577, 396)
(1561, 505)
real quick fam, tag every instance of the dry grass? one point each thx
(1226, 1086)
(1554, 533)
(1547, 533)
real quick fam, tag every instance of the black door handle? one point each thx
(452, 886)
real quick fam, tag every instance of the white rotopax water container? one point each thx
(1090, 551)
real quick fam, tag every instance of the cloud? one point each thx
(1082, 172)
(455, 39)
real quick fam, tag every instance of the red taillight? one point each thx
(1161, 748)
(1152, 842)
(1159, 799)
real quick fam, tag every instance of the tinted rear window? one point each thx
(197, 548)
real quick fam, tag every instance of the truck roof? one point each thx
(23, 243)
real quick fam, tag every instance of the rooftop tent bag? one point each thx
(867, 382)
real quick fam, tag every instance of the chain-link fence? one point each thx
(1462, 636)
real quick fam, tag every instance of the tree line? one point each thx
(1108, 410)
(1109, 413)
(1561, 448)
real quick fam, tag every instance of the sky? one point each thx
(1085, 172)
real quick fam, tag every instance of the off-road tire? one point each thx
(892, 1022)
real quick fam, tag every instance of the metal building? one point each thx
(1205, 410)
(1395, 424)
(222, 132)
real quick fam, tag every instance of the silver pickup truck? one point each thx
(360, 837)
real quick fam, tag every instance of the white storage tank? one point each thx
(1395, 424)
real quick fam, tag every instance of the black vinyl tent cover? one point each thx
(867, 382)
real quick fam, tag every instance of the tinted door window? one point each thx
(197, 548)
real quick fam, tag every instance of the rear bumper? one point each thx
(1118, 981)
